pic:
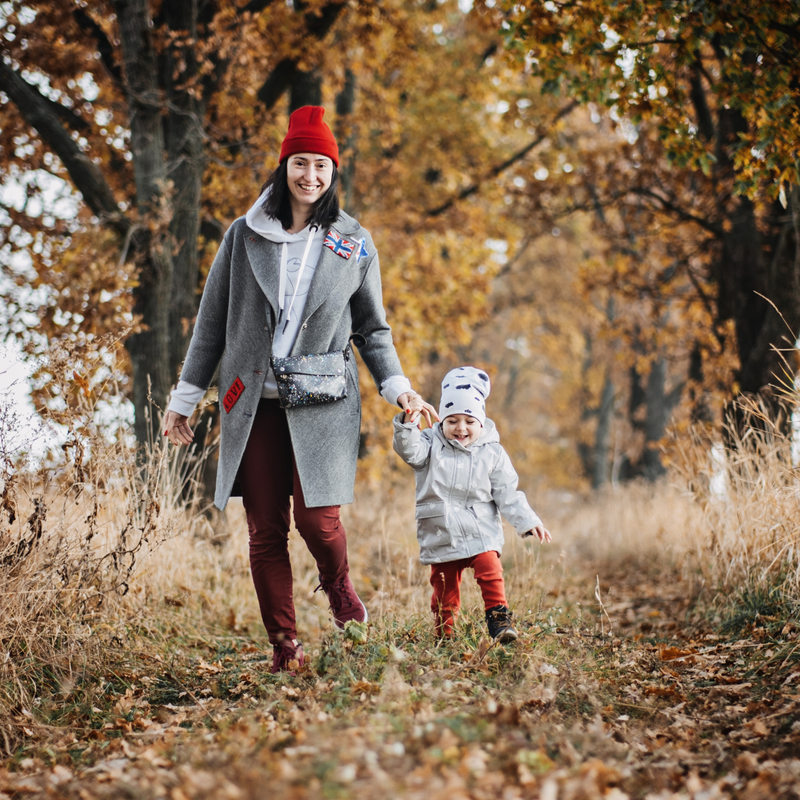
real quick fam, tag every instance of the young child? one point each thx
(465, 480)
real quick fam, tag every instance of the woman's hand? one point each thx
(176, 428)
(414, 405)
(540, 532)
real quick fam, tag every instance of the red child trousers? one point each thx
(446, 582)
(268, 479)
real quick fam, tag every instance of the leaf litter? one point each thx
(653, 708)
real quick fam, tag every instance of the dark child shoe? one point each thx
(287, 656)
(501, 626)
(345, 603)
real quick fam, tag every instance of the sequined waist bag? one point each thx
(311, 380)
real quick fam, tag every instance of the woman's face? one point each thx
(309, 176)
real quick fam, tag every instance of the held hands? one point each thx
(176, 428)
(414, 406)
(540, 532)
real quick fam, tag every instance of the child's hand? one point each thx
(540, 532)
(414, 406)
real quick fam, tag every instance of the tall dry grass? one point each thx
(726, 518)
(748, 488)
(78, 522)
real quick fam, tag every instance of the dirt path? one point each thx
(655, 709)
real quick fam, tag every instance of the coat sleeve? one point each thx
(208, 338)
(410, 444)
(511, 502)
(374, 336)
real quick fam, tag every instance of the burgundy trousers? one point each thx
(446, 583)
(268, 479)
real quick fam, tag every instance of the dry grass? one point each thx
(103, 557)
(76, 527)
(748, 548)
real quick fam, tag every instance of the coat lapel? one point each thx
(330, 270)
(265, 262)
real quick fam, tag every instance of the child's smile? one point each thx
(461, 428)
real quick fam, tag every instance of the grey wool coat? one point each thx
(461, 492)
(234, 328)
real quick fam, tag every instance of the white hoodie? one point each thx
(299, 258)
(300, 254)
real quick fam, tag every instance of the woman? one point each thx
(295, 276)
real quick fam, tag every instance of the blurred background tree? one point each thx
(590, 199)
(699, 206)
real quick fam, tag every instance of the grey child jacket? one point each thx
(461, 492)
(234, 327)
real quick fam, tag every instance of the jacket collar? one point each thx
(346, 224)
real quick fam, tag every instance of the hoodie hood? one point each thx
(270, 228)
(259, 222)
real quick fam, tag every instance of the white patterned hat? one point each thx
(464, 391)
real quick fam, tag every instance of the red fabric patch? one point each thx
(232, 395)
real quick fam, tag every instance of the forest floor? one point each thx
(624, 693)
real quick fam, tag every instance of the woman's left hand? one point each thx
(414, 405)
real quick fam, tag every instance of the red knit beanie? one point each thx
(309, 134)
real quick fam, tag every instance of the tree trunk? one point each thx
(346, 135)
(602, 437)
(758, 260)
(186, 163)
(306, 90)
(595, 457)
(149, 348)
(656, 417)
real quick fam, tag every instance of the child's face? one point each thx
(461, 428)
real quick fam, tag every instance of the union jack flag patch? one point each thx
(339, 245)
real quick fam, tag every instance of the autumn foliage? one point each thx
(599, 203)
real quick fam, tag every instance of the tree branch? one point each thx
(708, 304)
(705, 122)
(280, 79)
(255, 7)
(87, 24)
(504, 165)
(37, 111)
(711, 227)
(67, 115)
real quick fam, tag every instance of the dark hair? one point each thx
(277, 203)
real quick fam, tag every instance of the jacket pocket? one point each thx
(432, 525)
(486, 517)
(485, 510)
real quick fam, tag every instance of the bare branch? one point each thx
(712, 227)
(38, 112)
(68, 115)
(501, 167)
